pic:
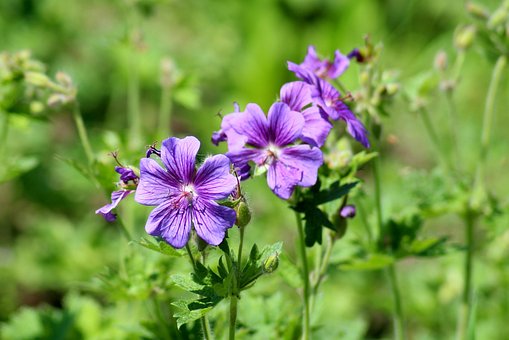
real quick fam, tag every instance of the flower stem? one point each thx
(82, 133)
(466, 301)
(235, 292)
(233, 315)
(305, 277)
(164, 126)
(191, 257)
(133, 99)
(478, 189)
(391, 270)
(322, 269)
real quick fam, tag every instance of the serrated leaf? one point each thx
(161, 247)
(186, 315)
(186, 282)
(373, 262)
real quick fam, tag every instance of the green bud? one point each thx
(498, 18)
(464, 37)
(271, 263)
(392, 88)
(477, 11)
(441, 61)
(243, 214)
(36, 107)
(64, 79)
(37, 79)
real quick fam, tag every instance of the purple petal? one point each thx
(252, 124)
(311, 60)
(296, 95)
(155, 185)
(211, 220)
(235, 140)
(339, 66)
(217, 137)
(240, 160)
(326, 96)
(179, 155)
(305, 158)
(297, 165)
(116, 197)
(357, 130)
(171, 221)
(285, 125)
(126, 174)
(213, 180)
(302, 72)
(316, 127)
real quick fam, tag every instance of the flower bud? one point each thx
(464, 37)
(271, 263)
(348, 211)
(441, 61)
(477, 11)
(243, 214)
(499, 17)
(37, 79)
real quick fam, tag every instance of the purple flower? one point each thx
(127, 175)
(297, 95)
(322, 68)
(269, 140)
(116, 197)
(226, 133)
(185, 196)
(329, 100)
(348, 211)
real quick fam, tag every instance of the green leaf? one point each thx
(17, 167)
(160, 247)
(186, 315)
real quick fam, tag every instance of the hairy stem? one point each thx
(234, 295)
(233, 315)
(305, 277)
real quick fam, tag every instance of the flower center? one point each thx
(272, 154)
(188, 192)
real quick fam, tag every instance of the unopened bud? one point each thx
(464, 37)
(271, 263)
(348, 211)
(36, 107)
(392, 88)
(243, 214)
(441, 61)
(37, 79)
(63, 79)
(499, 17)
(477, 11)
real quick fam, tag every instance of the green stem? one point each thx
(305, 277)
(362, 213)
(133, 101)
(123, 228)
(478, 189)
(191, 257)
(435, 140)
(235, 292)
(203, 320)
(466, 300)
(233, 315)
(322, 269)
(3, 134)
(398, 315)
(164, 126)
(391, 270)
(82, 133)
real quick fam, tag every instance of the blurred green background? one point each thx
(52, 244)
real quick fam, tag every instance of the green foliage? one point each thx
(314, 217)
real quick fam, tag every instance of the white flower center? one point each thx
(189, 192)
(273, 153)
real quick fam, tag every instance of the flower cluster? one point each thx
(286, 143)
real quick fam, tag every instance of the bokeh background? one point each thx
(53, 246)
